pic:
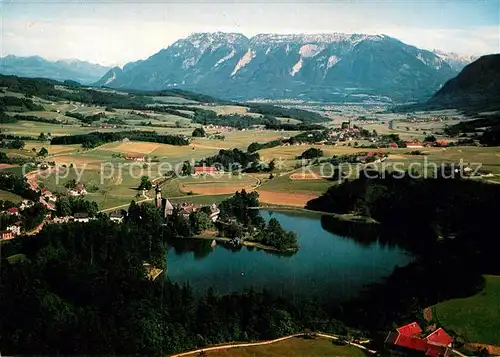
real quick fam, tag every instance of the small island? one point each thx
(240, 223)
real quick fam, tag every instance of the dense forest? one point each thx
(82, 289)
(309, 137)
(15, 104)
(485, 128)
(305, 116)
(94, 139)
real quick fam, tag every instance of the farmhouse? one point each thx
(414, 144)
(26, 204)
(81, 217)
(13, 211)
(135, 157)
(204, 170)
(79, 190)
(116, 217)
(408, 339)
(15, 229)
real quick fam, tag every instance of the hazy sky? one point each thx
(116, 32)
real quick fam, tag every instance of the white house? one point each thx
(81, 217)
(116, 217)
(15, 229)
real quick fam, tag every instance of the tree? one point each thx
(145, 183)
(16, 144)
(271, 165)
(42, 137)
(43, 152)
(199, 132)
(311, 153)
(63, 207)
(199, 221)
(430, 139)
(187, 168)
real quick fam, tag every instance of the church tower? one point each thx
(158, 198)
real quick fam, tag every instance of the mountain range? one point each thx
(477, 86)
(35, 66)
(327, 67)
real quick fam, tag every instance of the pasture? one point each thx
(218, 184)
(8, 196)
(476, 318)
(294, 347)
(29, 128)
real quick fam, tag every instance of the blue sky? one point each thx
(115, 32)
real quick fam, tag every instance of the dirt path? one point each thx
(236, 345)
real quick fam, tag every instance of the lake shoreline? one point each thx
(348, 217)
(245, 243)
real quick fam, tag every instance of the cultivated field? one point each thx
(8, 196)
(477, 318)
(294, 347)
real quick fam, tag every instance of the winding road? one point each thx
(236, 345)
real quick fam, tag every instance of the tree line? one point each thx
(94, 139)
(18, 185)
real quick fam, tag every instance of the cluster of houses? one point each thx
(410, 340)
(167, 208)
(14, 229)
(372, 157)
(417, 144)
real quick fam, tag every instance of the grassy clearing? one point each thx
(17, 258)
(28, 128)
(294, 347)
(226, 184)
(112, 187)
(201, 199)
(288, 120)
(8, 196)
(286, 184)
(477, 318)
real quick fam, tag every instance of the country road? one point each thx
(236, 345)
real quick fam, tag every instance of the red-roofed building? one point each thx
(205, 170)
(135, 156)
(410, 330)
(411, 342)
(408, 339)
(13, 210)
(440, 337)
(414, 144)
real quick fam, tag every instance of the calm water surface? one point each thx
(327, 266)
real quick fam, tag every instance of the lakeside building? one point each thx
(408, 339)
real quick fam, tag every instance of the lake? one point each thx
(327, 266)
